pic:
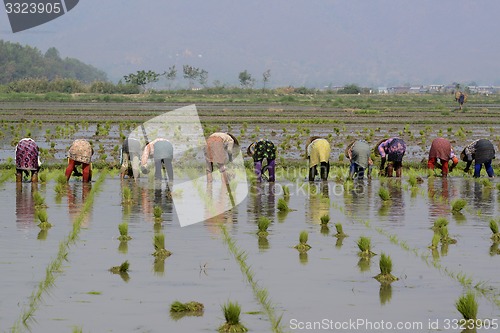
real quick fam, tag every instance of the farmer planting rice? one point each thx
(391, 150)
(482, 152)
(162, 152)
(130, 158)
(318, 152)
(80, 153)
(220, 149)
(358, 153)
(27, 159)
(260, 150)
(441, 150)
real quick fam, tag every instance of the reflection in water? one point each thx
(357, 198)
(25, 206)
(364, 264)
(439, 194)
(218, 202)
(263, 243)
(263, 196)
(303, 258)
(123, 247)
(77, 194)
(396, 212)
(319, 202)
(385, 293)
(159, 266)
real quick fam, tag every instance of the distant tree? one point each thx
(265, 77)
(142, 78)
(171, 74)
(52, 53)
(350, 89)
(191, 74)
(203, 77)
(246, 79)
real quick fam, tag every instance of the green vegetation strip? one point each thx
(488, 291)
(260, 293)
(6, 175)
(55, 266)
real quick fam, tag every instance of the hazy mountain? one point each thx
(311, 43)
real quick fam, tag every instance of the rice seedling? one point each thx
(494, 230)
(467, 306)
(42, 177)
(39, 200)
(445, 236)
(457, 205)
(157, 211)
(286, 192)
(303, 238)
(441, 222)
(263, 223)
(61, 179)
(232, 313)
(159, 245)
(385, 265)
(436, 238)
(127, 195)
(123, 229)
(486, 183)
(43, 217)
(324, 219)
(123, 268)
(186, 307)
(59, 189)
(283, 205)
(384, 194)
(340, 231)
(412, 180)
(364, 245)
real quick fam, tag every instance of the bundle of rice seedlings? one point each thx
(42, 177)
(494, 230)
(324, 219)
(123, 229)
(445, 236)
(42, 216)
(467, 306)
(126, 195)
(457, 205)
(364, 245)
(263, 223)
(186, 307)
(159, 245)
(384, 194)
(286, 192)
(412, 180)
(123, 268)
(60, 189)
(39, 200)
(232, 313)
(303, 238)
(157, 211)
(385, 275)
(340, 231)
(441, 222)
(283, 205)
(61, 179)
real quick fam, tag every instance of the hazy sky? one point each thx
(309, 43)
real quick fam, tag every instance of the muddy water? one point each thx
(329, 282)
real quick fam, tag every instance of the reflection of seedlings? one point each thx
(42, 234)
(494, 230)
(157, 211)
(286, 192)
(303, 258)
(340, 231)
(457, 205)
(494, 250)
(123, 229)
(385, 293)
(364, 245)
(123, 247)
(159, 244)
(467, 306)
(126, 195)
(364, 264)
(303, 246)
(232, 313)
(159, 266)
(385, 264)
(436, 238)
(445, 236)
(43, 217)
(263, 223)
(384, 194)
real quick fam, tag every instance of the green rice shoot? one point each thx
(123, 229)
(186, 307)
(263, 224)
(232, 313)
(340, 230)
(467, 306)
(157, 212)
(457, 205)
(384, 194)
(325, 219)
(283, 205)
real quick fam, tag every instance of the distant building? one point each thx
(435, 88)
(383, 90)
(398, 90)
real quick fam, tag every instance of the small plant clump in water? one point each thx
(283, 205)
(123, 229)
(436, 238)
(157, 211)
(340, 231)
(325, 219)
(159, 244)
(39, 200)
(385, 275)
(440, 223)
(123, 268)
(263, 223)
(286, 192)
(384, 194)
(43, 217)
(467, 306)
(186, 307)
(457, 205)
(445, 236)
(364, 245)
(232, 313)
(126, 195)
(303, 238)
(494, 230)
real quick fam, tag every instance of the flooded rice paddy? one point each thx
(330, 281)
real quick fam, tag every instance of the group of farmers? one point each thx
(222, 147)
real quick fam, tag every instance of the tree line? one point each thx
(18, 62)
